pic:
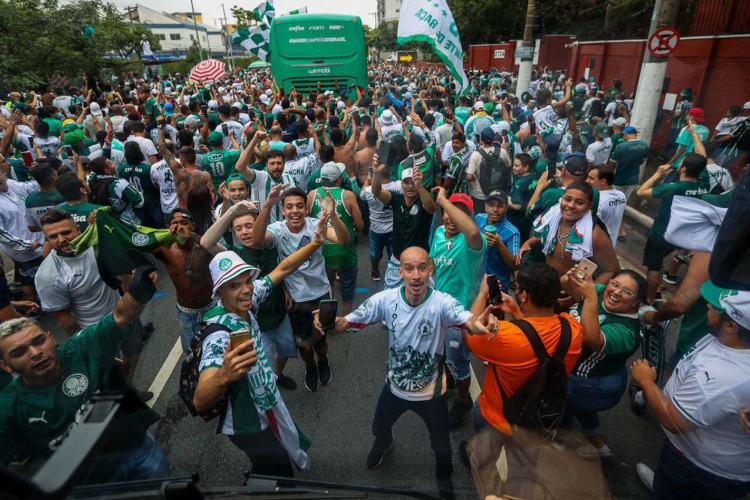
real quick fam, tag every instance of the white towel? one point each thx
(579, 242)
(694, 224)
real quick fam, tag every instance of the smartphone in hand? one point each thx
(327, 314)
(495, 293)
(585, 268)
(239, 337)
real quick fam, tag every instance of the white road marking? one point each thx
(474, 388)
(174, 357)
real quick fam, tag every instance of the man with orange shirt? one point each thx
(511, 362)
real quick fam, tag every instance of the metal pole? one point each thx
(228, 38)
(524, 69)
(195, 25)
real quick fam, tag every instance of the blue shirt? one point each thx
(493, 263)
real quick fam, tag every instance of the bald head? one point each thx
(415, 253)
(290, 152)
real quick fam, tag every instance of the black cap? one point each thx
(576, 164)
(498, 194)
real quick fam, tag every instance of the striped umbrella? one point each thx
(207, 71)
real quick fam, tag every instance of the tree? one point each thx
(41, 38)
(244, 17)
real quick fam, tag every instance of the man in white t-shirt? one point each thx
(163, 176)
(146, 48)
(308, 285)
(707, 453)
(417, 318)
(69, 285)
(390, 127)
(147, 146)
(597, 153)
(229, 126)
(611, 201)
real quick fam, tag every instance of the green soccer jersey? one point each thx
(80, 212)
(425, 160)
(520, 194)
(220, 164)
(628, 158)
(457, 171)
(622, 335)
(666, 193)
(271, 311)
(139, 178)
(39, 419)
(456, 266)
(337, 256)
(153, 108)
(39, 203)
(411, 224)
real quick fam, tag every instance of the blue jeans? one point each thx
(146, 462)
(280, 340)
(587, 396)
(378, 242)
(188, 323)
(457, 355)
(348, 277)
(677, 477)
(434, 413)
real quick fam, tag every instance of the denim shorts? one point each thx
(280, 340)
(379, 241)
(188, 323)
(457, 356)
(348, 277)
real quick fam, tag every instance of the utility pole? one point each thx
(524, 70)
(195, 25)
(228, 38)
(653, 71)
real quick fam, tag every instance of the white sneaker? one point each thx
(646, 475)
(589, 451)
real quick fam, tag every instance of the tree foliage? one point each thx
(244, 17)
(41, 38)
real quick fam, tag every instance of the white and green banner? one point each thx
(254, 39)
(432, 22)
(265, 12)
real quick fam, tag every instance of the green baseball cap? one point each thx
(713, 294)
(215, 138)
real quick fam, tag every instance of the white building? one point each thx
(177, 32)
(388, 10)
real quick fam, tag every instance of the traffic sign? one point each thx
(663, 42)
(524, 52)
(406, 58)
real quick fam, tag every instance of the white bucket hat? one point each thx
(226, 266)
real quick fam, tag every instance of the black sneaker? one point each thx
(377, 454)
(311, 378)
(285, 382)
(145, 396)
(324, 371)
(457, 412)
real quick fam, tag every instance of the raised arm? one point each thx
(337, 233)
(377, 182)
(261, 237)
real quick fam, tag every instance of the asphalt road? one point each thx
(338, 416)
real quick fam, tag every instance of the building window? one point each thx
(174, 36)
(160, 37)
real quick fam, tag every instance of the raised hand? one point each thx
(275, 195)
(322, 229)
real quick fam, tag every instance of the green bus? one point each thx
(311, 48)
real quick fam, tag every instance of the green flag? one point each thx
(265, 12)
(112, 237)
(301, 10)
(254, 39)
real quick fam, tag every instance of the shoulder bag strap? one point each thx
(565, 337)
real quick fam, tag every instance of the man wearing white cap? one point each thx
(256, 419)
(389, 125)
(707, 453)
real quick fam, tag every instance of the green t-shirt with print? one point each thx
(622, 334)
(666, 193)
(39, 203)
(153, 108)
(220, 163)
(627, 159)
(425, 160)
(139, 178)
(39, 419)
(520, 194)
(456, 266)
(80, 212)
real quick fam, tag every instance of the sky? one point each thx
(212, 13)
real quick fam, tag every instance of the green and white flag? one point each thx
(432, 22)
(254, 39)
(265, 12)
(301, 10)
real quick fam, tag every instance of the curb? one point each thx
(639, 218)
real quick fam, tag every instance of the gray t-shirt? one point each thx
(74, 283)
(309, 282)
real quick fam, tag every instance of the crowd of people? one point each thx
(498, 213)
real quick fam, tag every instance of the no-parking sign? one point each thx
(663, 42)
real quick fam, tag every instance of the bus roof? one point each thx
(315, 18)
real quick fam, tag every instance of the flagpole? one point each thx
(195, 25)
(228, 39)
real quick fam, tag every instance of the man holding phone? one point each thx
(418, 318)
(256, 419)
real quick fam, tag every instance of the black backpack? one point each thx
(98, 187)
(493, 174)
(189, 374)
(540, 402)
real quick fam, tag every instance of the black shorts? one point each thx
(656, 250)
(301, 319)
(27, 270)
